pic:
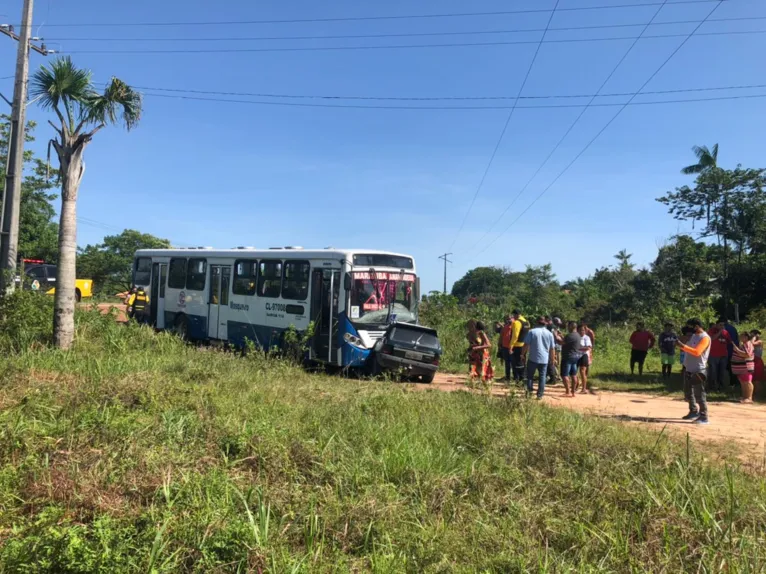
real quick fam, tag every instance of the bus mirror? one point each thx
(417, 289)
(347, 282)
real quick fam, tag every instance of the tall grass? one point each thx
(135, 453)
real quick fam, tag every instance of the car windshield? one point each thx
(378, 298)
(414, 337)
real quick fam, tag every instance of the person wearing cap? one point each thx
(697, 350)
(138, 304)
(518, 335)
(538, 350)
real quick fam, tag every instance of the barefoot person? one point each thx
(570, 355)
(481, 358)
(743, 366)
(697, 350)
(586, 346)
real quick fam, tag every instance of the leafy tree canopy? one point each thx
(38, 233)
(109, 264)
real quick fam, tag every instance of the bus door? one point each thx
(157, 294)
(220, 280)
(325, 289)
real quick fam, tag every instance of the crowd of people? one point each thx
(545, 349)
(732, 357)
(711, 359)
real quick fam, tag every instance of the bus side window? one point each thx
(270, 278)
(196, 274)
(245, 274)
(177, 273)
(143, 271)
(296, 280)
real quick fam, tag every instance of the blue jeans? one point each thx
(542, 369)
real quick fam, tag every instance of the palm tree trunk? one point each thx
(72, 168)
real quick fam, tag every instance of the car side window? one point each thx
(36, 272)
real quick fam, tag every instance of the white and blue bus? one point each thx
(236, 295)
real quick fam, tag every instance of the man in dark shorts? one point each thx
(668, 340)
(641, 341)
(570, 356)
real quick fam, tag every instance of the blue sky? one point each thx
(226, 174)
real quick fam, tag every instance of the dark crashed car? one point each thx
(412, 350)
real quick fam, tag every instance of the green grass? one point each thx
(134, 453)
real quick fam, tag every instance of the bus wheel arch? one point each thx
(181, 326)
(77, 294)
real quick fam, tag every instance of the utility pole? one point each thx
(445, 256)
(12, 194)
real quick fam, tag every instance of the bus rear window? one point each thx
(383, 260)
(143, 271)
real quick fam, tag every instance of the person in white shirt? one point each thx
(585, 347)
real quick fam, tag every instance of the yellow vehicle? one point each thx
(40, 276)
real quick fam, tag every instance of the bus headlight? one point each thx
(354, 341)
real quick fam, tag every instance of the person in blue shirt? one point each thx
(538, 350)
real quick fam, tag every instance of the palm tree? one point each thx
(82, 111)
(707, 163)
(707, 159)
(624, 258)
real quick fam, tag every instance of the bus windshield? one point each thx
(377, 298)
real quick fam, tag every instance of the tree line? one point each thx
(720, 268)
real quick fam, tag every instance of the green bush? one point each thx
(26, 320)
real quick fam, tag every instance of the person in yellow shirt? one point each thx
(518, 335)
(138, 304)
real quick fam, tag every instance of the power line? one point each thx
(396, 35)
(396, 46)
(569, 130)
(470, 108)
(438, 98)
(601, 131)
(505, 128)
(365, 18)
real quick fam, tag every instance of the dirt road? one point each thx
(119, 307)
(730, 422)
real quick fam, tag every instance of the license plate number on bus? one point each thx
(413, 355)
